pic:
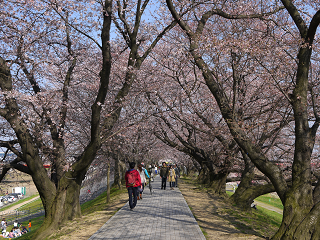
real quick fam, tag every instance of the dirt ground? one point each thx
(210, 215)
(84, 228)
(208, 210)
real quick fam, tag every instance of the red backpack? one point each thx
(131, 179)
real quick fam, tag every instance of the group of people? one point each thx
(171, 173)
(16, 231)
(136, 180)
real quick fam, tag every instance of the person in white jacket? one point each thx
(143, 173)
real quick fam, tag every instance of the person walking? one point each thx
(177, 171)
(172, 177)
(143, 174)
(164, 175)
(133, 181)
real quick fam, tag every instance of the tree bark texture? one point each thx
(108, 182)
(299, 218)
(117, 173)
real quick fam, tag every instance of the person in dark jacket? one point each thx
(132, 186)
(163, 175)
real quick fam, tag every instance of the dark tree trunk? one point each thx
(203, 176)
(218, 182)
(117, 172)
(123, 170)
(63, 207)
(301, 216)
(214, 180)
(240, 197)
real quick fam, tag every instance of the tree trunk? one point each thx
(123, 170)
(117, 173)
(203, 176)
(108, 182)
(301, 217)
(218, 182)
(246, 198)
(64, 206)
(240, 197)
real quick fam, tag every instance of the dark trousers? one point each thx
(142, 187)
(171, 184)
(132, 201)
(163, 183)
(176, 181)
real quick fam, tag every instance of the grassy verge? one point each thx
(18, 202)
(36, 223)
(267, 199)
(261, 222)
(97, 204)
(32, 204)
(271, 200)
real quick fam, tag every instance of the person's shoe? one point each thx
(138, 198)
(131, 209)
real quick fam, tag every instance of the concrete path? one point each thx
(162, 215)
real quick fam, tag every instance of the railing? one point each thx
(17, 214)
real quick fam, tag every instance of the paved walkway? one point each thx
(162, 215)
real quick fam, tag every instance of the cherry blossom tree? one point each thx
(193, 123)
(60, 82)
(301, 210)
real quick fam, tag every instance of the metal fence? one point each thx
(17, 214)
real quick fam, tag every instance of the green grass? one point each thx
(261, 222)
(271, 200)
(36, 223)
(96, 204)
(265, 215)
(18, 202)
(274, 217)
(33, 204)
(267, 199)
(229, 193)
(99, 203)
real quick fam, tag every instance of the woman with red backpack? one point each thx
(133, 181)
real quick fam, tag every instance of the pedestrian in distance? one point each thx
(177, 172)
(133, 181)
(29, 225)
(164, 175)
(171, 177)
(143, 174)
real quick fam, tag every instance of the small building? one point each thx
(19, 190)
